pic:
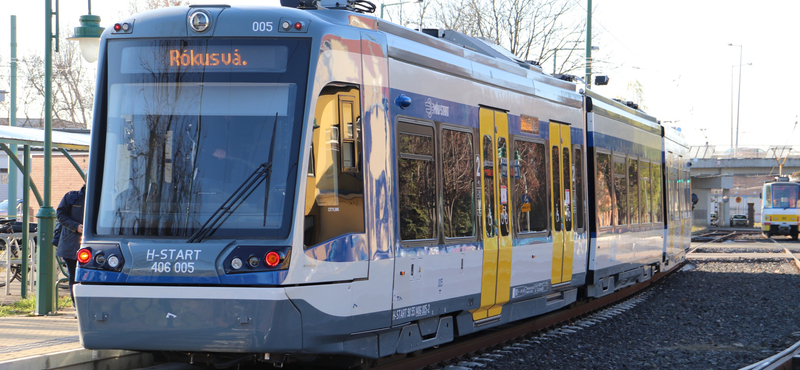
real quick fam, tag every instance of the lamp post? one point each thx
(738, 102)
(588, 78)
(45, 287)
(383, 6)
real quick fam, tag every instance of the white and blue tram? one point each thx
(279, 183)
(780, 212)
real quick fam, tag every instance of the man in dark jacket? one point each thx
(70, 216)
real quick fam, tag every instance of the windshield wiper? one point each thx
(269, 173)
(261, 174)
(232, 203)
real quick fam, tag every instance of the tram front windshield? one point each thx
(784, 195)
(189, 124)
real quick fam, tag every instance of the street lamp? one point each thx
(88, 35)
(45, 286)
(383, 6)
(738, 102)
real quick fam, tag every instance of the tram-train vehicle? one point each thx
(276, 183)
(779, 209)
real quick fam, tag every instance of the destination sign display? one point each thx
(173, 57)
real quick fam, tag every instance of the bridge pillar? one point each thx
(701, 216)
(725, 217)
(702, 186)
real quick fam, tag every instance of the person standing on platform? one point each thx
(70, 216)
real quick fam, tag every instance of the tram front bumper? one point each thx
(192, 319)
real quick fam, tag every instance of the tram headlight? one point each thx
(253, 261)
(100, 259)
(236, 263)
(286, 25)
(113, 261)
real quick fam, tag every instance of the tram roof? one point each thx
(35, 137)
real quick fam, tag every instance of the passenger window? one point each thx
(502, 157)
(458, 184)
(530, 188)
(604, 191)
(416, 169)
(335, 187)
(567, 191)
(633, 190)
(488, 187)
(555, 157)
(350, 129)
(621, 191)
(577, 187)
(644, 182)
(658, 209)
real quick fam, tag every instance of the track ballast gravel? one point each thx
(719, 315)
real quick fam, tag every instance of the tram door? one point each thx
(496, 210)
(561, 209)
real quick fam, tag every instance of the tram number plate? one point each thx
(179, 261)
(262, 26)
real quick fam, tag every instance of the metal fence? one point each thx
(718, 152)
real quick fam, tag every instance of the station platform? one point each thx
(30, 342)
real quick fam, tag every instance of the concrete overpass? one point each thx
(733, 185)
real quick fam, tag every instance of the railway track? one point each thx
(518, 335)
(478, 350)
(711, 249)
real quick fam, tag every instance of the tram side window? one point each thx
(567, 191)
(687, 194)
(768, 203)
(604, 191)
(620, 191)
(335, 186)
(530, 187)
(416, 169)
(644, 182)
(577, 187)
(658, 210)
(489, 211)
(682, 189)
(458, 181)
(633, 190)
(554, 158)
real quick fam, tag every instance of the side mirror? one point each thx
(600, 80)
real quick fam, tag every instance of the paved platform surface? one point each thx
(24, 336)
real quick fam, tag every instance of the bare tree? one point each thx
(72, 87)
(635, 93)
(138, 6)
(545, 31)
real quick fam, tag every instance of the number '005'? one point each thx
(262, 26)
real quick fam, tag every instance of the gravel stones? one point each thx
(719, 315)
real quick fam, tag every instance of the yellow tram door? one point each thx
(496, 211)
(561, 203)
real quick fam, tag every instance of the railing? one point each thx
(722, 152)
(11, 257)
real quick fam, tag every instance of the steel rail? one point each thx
(484, 340)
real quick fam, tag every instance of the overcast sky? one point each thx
(678, 50)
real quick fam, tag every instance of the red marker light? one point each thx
(117, 27)
(84, 256)
(298, 26)
(272, 259)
